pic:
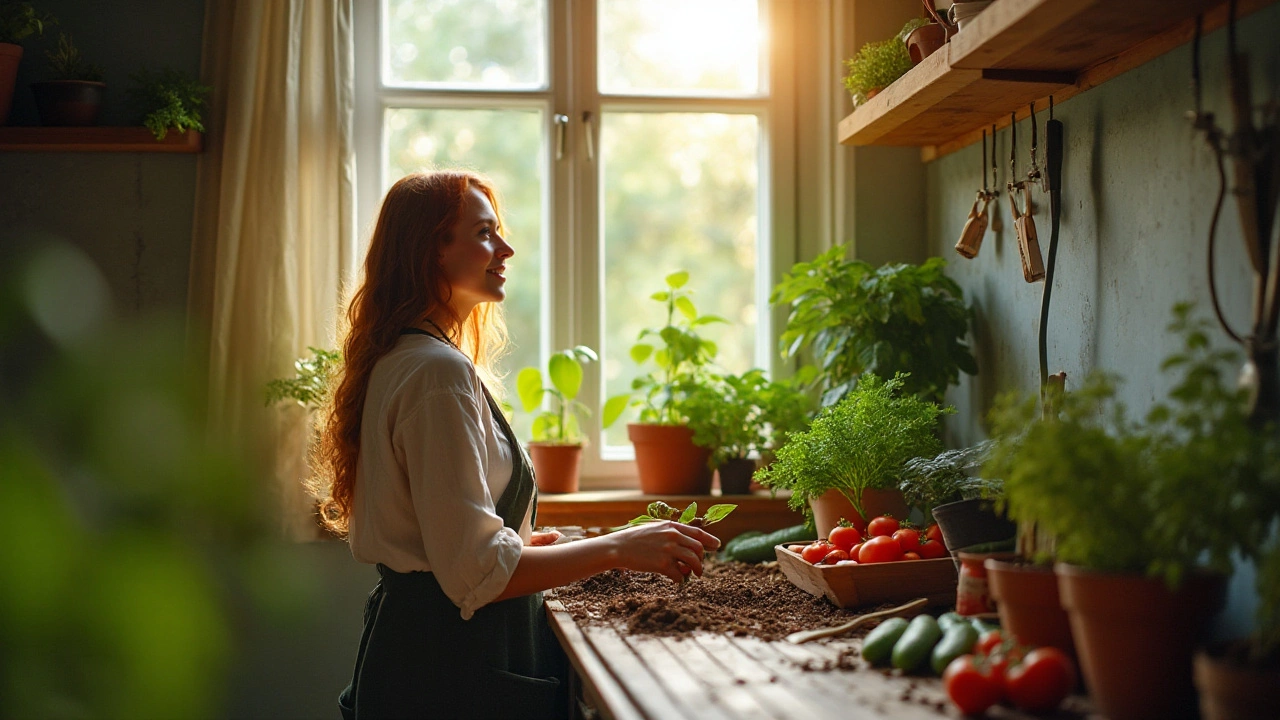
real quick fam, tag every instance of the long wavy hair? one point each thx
(402, 285)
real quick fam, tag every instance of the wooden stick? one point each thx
(910, 609)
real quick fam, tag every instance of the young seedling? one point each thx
(658, 511)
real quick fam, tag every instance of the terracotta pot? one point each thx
(1027, 598)
(555, 466)
(925, 41)
(668, 461)
(10, 54)
(1135, 638)
(969, 522)
(1234, 690)
(67, 103)
(735, 476)
(832, 505)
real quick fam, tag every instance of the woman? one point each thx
(427, 481)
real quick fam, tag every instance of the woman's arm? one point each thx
(659, 547)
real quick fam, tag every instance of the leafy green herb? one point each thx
(878, 64)
(564, 369)
(19, 21)
(860, 442)
(895, 319)
(310, 384)
(928, 482)
(659, 511)
(169, 100)
(66, 63)
(737, 414)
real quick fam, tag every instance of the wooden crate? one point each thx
(851, 586)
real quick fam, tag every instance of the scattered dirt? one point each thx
(733, 598)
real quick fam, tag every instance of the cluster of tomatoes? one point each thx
(1032, 679)
(884, 540)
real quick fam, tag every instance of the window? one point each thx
(627, 139)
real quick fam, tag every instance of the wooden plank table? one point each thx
(716, 676)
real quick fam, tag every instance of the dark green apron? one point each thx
(419, 659)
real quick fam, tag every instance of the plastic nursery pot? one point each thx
(829, 507)
(1135, 638)
(970, 522)
(668, 461)
(555, 466)
(735, 476)
(1026, 596)
(1232, 688)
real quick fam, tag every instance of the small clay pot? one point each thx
(925, 41)
(668, 461)
(829, 507)
(735, 476)
(1027, 597)
(1233, 688)
(555, 466)
(68, 103)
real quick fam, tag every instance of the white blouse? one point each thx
(433, 461)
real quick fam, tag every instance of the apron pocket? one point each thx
(525, 696)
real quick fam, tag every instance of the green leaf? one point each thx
(716, 513)
(661, 296)
(707, 319)
(642, 520)
(689, 513)
(641, 352)
(613, 408)
(686, 308)
(585, 354)
(566, 374)
(677, 279)
(544, 426)
(529, 388)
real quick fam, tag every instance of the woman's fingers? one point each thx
(702, 537)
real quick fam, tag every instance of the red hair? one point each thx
(403, 285)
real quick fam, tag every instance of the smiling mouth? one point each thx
(498, 272)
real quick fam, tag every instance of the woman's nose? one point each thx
(504, 248)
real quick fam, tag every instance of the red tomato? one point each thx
(834, 557)
(844, 537)
(971, 687)
(988, 642)
(1045, 676)
(853, 551)
(930, 549)
(908, 538)
(881, 548)
(883, 525)
(856, 521)
(934, 533)
(815, 551)
(910, 556)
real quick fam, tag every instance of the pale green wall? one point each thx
(1138, 187)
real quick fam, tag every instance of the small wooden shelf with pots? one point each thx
(97, 139)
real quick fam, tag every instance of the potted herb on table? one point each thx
(668, 460)
(72, 96)
(556, 450)
(1144, 518)
(18, 21)
(853, 452)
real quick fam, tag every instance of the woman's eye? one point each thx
(486, 231)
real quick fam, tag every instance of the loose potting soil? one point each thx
(732, 597)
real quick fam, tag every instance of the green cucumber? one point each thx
(732, 546)
(956, 641)
(879, 643)
(913, 648)
(947, 619)
(759, 548)
(982, 626)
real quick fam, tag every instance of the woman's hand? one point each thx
(669, 548)
(544, 538)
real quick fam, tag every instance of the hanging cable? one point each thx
(1054, 150)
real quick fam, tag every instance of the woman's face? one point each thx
(474, 260)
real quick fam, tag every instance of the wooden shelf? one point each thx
(1019, 52)
(96, 139)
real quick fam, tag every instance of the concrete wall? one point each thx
(1138, 190)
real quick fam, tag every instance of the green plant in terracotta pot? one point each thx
(668, 460)
(878, 64)
(1144, 517)
(854, 449)
(72, 94)
(898, 318)
(18, 21)
(556, 447)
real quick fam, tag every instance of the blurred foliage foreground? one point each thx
(134, 551)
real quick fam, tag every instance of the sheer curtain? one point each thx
(274, 237)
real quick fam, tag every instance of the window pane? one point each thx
(490, 44)
(505, 146)
(679, 193)
(679, 47)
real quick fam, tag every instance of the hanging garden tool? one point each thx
(1051, 386)
(1023, 224)
(1255, 160)
(975, 228)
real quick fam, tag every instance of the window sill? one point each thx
(611, 508)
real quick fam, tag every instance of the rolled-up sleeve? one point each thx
(442, 439)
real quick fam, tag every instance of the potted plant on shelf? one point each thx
(1144, 518)
(72, 96)
(169, 100)
(897, 318)
(848, 463)
(18, 21)
(556, 449)
(877, 65)
(668, 460)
